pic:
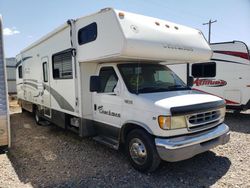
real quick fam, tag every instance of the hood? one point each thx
(168, 100)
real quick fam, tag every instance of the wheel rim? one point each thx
(137, 151)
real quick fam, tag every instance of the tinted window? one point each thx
(20, 72)
(62, 65)
(45, 72)
(87, 34)
(109, 79)
(204, 70)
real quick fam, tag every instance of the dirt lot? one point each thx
(46, 156)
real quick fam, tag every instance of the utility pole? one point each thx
(209, 28)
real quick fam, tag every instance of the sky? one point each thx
(25, 21)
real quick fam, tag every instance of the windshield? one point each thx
(150, 78)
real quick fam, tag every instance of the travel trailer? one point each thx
(4, 107)
(101, 76)
(226, 75)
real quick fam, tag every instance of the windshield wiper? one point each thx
(151, 89)
(161, 89)
(178, 87)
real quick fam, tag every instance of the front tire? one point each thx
(141, 151)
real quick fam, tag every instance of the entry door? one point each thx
(46, 98)
(107, 104)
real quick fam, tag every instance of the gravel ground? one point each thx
(46, 156)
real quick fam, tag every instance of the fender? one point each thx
(135, 123)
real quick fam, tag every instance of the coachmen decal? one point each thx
(209, 82)
(108, 112)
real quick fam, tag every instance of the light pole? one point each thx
(209, 28)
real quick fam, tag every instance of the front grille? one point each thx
(203, 120)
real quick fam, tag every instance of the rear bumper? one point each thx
(187, 146)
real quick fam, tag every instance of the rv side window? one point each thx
(62, 65)
(87, 34)
(109, 79)
(45, 72)
(200, 70)
(20, 71)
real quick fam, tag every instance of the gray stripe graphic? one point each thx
(25, 58)
(31, 84)
(32, 80)
(59, 99)
(62, 102)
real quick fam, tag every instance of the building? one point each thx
(11, 75)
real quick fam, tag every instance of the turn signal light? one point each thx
(164, 122)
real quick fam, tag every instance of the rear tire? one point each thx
(141, 151)
(37, 116)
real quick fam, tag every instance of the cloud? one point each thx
(10, 31)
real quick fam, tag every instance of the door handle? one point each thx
(95, 107)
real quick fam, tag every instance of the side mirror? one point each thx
(95, 84)
(190, 81)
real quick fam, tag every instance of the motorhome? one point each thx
(226, 75)
(101, 76)
(4, 108)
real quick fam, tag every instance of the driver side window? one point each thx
(109, 79)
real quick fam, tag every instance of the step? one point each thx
(44, 123)
(112, 143)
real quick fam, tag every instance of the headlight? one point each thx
(176, 122)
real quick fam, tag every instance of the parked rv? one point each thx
(4, 112)
(226, 75)
(101, 76)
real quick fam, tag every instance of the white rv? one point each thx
(226, 75)
(4, 107)
(101, 76)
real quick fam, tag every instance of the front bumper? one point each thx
(187, 146)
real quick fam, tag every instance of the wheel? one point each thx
(37, 116)
(141, 151)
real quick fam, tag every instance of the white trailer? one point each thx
(4, 107)
(100, 76)
(226, 75)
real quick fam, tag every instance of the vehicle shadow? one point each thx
(202, 170)
(50, 157)
(238, 122)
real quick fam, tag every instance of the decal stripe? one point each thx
(31, 84)
(229, 61)
(227, 101)
(62, 102)
(25, 58)
(32, 80)
(232, 53)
